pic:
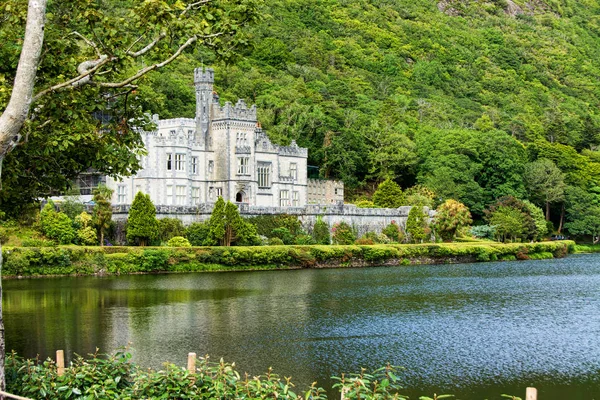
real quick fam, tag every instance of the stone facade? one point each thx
(221, 152)
(325, 192)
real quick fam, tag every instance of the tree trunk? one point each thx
(17, 110)
(562, 218)
(101, 237)
(14, 115)
(547, 211)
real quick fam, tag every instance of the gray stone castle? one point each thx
(222, 152)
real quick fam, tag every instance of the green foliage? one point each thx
(320, 232)
(265, 224)
(63, 139)
(383, 383)
(484, 232)
(30, 261)
(72, 205)
(178, 241)
(284, 234)
(508, 222)
(365, 204)
(102, 215)
(197, 233)
(416, 225)
(56, 225)
(541, 225)
(170, 227)
(343, 233)
(583, 213)
(419, 196)
(545, 182)
(388, 195)
(227, 227)
(393, 232)
(86, 234)
(528, 229)
(450, 217)
(275, 241)
(142, 225)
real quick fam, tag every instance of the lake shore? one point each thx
(115, 260)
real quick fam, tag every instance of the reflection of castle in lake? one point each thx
(222, 152)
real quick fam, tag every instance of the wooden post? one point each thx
(531, 394)
(191, 363)
(60, 362)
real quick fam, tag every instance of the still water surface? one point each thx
(476, 330)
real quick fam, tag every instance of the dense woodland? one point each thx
(473, 100)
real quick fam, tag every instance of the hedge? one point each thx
(79, 260)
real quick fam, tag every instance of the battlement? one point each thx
(204, 75)
(240, 111)
(293, 150)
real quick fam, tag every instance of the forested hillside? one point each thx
(456, 95)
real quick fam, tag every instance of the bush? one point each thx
(416, 225)
(197, 233)
(265, 224)
(86, 234)
(304, 240)
(388, 195)
(321, 232)
(484, 232)
(451, 216)
(364, 241)
(393, 232)
(343, 233)
(56, 225)
(275, 241)
(37, 243)
(365, 204)
(170, 227)
(178, 241)
(284, 234)
(142, 226)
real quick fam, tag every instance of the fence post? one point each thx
(531, 393)
(191, 365)
(60, 362)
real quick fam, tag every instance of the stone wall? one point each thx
(362, 219)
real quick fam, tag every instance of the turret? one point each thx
(203, 80)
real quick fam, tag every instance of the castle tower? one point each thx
(203, 80)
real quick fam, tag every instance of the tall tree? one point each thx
(142, 225)
(388, 194)
(95, 53)
(545, 183)
(451, 216)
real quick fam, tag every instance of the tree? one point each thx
(93, 57)
(528, 230)
(545, 183)
(86, 234)
(320, 232)
(450, 217)
(102, 213)
(416, 225)
(56, 225)
(388, 195)
(583, 213)
(142, 225)
(226, 227)
(85, 82)
(541, 225)
(508, 222)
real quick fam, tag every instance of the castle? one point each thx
(222, 152)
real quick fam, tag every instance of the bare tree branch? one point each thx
(149, 47)
(135, 42)
(74, 80)
(192, 5)
(89, 43)
(153, 67)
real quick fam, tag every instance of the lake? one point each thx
(475, 330)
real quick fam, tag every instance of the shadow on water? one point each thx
(476, 330)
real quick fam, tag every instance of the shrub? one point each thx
(142, 225)
(178, 241)
(451, 216)
(388, 195)
(86, 234)
(343, 233)
(304, 239)
(197, 233)
(102, 216)
(365, 204)
(321, 232)
(484, 231)
(265, 224)
(364, 241)
(393, 232)
(56, 225)
(284, 234)
(275, 241)
(37, 243)
(416, 225)
(170, 227)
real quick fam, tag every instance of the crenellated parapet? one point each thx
(238, 112)
(293, 150)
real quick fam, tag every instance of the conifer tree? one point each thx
(216, 226)
(142, 225)
(416, 224)
(388, 195)
(321, 233)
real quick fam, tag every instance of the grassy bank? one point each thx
(78, 260)
(587, 248)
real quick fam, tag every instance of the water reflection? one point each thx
(473, 329)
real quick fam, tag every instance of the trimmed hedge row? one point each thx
(78, 260)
